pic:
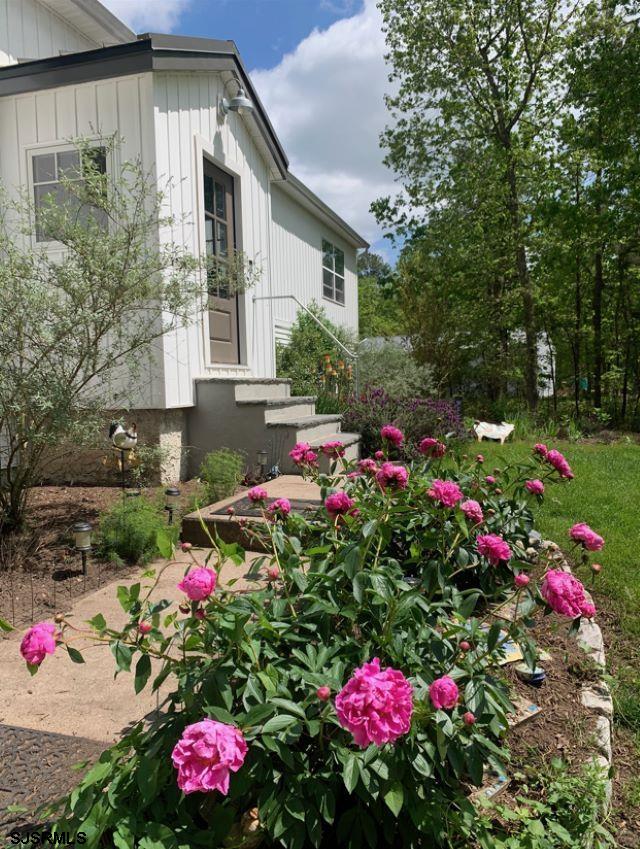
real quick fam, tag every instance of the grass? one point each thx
(606, 494)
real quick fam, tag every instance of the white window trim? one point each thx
(342, 276)
(58, 147)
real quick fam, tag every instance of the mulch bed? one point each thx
(40, 572)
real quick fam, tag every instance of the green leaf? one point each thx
(147, 778)
(164, 544)
(278, 723)
(98, 622)
(350, 773)
(122, 654)
(123, 597)
(394, 798)
(4, 626)
(75, 655)
(143, 671)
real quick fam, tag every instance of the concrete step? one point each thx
(306, 428)
(262, 389)
(281, 409)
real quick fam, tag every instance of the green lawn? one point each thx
(606, 494)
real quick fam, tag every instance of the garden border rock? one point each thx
(595, 696)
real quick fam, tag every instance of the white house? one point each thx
(69, 68)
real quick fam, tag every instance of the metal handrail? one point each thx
(340, 344)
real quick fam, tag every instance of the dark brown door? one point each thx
(220, 243)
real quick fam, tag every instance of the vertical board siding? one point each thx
(186, 107)
(297, 262)
(29, 30)
(54, 117)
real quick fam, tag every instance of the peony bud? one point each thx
(231, 511)
(469, 718)
(323, 693)
(186, 546)
(144, 627)
(273, 573)
(596, 567)
(479, 458)
(200, 614)
(521, 580)
(465, 646)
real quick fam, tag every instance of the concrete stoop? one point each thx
(256, 414)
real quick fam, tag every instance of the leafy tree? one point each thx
(78, 323)
(475, 78)
(378, 308)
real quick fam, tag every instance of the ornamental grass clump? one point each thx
(353, 698)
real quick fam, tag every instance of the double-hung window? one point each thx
(54, 175)
(332, 272)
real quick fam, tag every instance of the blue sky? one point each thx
(319, 68)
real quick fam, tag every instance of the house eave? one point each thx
(92, 19)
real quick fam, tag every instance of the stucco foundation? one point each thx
(99, 464)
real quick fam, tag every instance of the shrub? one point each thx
(392, 367)
(332, 705)
(312, 360)
(221, 472)
(416, 417)
(129, 530)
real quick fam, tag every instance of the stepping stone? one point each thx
(493, 785)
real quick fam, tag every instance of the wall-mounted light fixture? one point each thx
(240, 103)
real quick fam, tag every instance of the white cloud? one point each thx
(148, 15)
(326, 102)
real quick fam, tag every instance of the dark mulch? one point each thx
(40, 572)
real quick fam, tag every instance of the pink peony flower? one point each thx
(444, 693)
(559, 463)
(391, 476)
(205, 755)
(38, 642)
(472, 511)
(144, 627)
(379, 455)
(368, 466)
(494, 548)
(303, 455)
(281, 507)
(469, 718)
(447, 493)
(566, 595)
(334, 449)
(588, 538)
(535, 487)
(323, 693)
(392, 434)
(431, 447)
(257, 494)
(339, 504)
(273, 573)
(490, 479)
(199, 583)
(540, 449)
(521, 580)
(375, 704)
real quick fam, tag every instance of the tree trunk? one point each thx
(598, 287)
(526, 288)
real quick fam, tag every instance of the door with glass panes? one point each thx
(220, 243)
